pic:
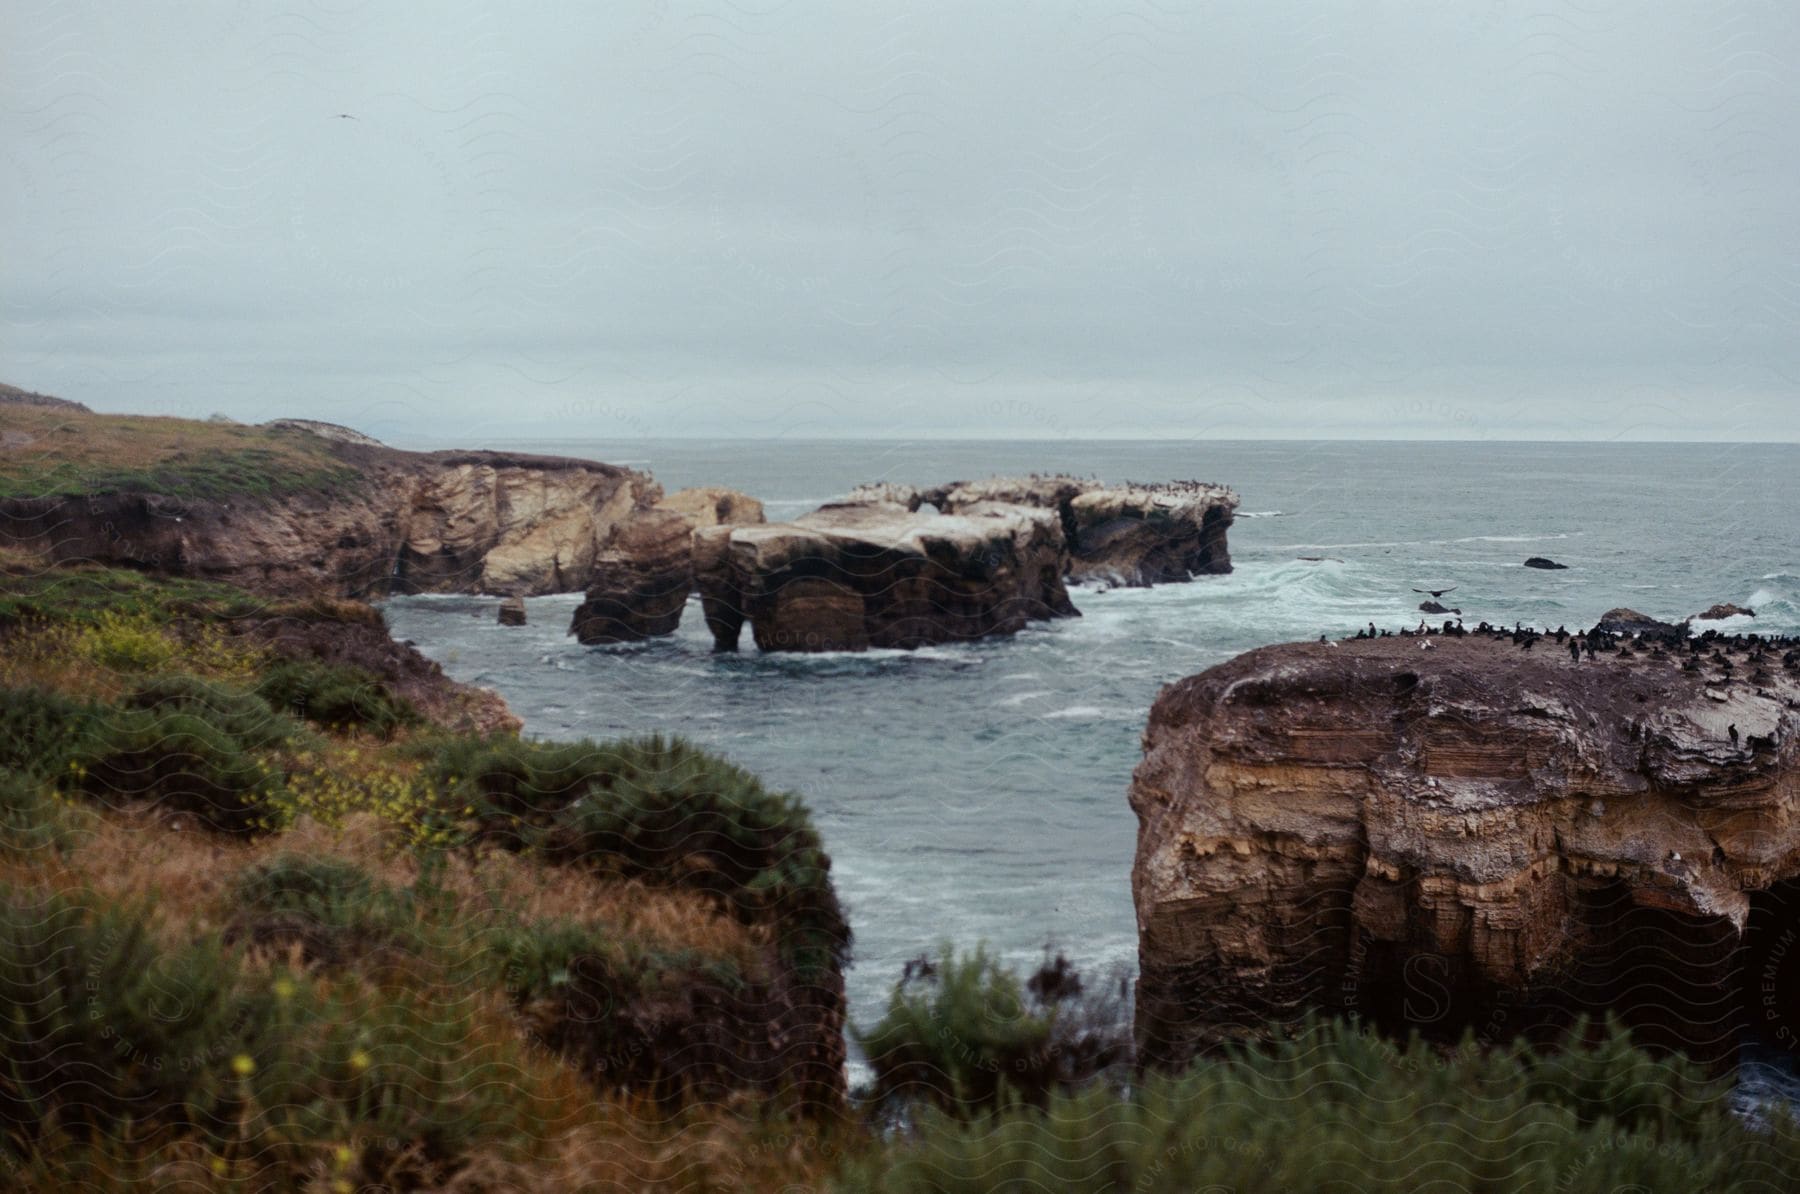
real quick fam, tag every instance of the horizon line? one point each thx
(1119, 439)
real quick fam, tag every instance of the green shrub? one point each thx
(402, 1075)
(87, 596)
(676, 1027)
(41, 730)
(539, 958)
(661, 810)
(965, 1034)
(32, 819)
(103, 1026)
(336, 696)
(332, 909)
(181, 760)
(1334, 1108)
(245, 717)
(125, 642)
(110, 1034)
(294, 882)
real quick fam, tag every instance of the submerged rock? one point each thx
(876, 574)
(1473, 837)
(1724, 610)
(1630, 621)
(512, 612)
(1541, 562)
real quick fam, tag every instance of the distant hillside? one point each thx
(298, 505)
(31, 398)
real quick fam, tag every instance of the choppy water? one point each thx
(978, 791)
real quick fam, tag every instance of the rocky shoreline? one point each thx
(320, 508)
(1488, 813)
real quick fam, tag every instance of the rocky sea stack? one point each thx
(1478, 836)
(895, 566)
(1136, 534)
(858, 575)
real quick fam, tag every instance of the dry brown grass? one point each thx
(50, 451)
(589, 1141)
(187, 876)
(593, 1144)
(619, 1144)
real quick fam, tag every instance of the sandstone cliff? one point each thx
(879, 570)
(868, 574)
(287, 510)
(1483, 834)
(711, 506)
(639, 585)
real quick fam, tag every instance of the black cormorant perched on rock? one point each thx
(1575, 650)
(1732, 731)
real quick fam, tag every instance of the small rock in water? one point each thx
(512, 611)
(1726, 610)
(1541, 562)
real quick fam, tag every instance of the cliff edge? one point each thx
(1483, 831)
(284, 509)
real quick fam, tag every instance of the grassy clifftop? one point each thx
(57, 452)
(271, 918)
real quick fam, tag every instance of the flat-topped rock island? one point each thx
(896, 566)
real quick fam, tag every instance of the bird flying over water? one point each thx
(1437, 592)
(345, 116)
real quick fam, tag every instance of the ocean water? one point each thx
(978, 792)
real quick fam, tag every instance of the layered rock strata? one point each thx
(1482, 831)
(711, 506)
(639, 585)
(852, 576)
(390, 522)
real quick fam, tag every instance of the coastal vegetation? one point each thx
(1332, 1106)
(55, 452)
(265, 924)
(273, 917)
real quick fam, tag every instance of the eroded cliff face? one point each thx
(513, 525)
(880, 570)
(1471, 834)
(639, 584)
(397, 522)
(873, 574)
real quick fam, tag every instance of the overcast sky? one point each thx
(1497, 219)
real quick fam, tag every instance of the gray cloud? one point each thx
(1496, 220)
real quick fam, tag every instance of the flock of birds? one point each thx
(1731, 658)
